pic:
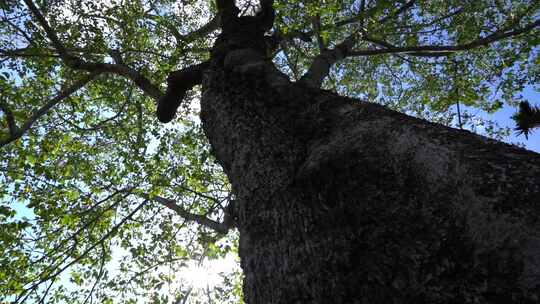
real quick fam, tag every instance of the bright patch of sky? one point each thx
(208, 273)
(503, 117)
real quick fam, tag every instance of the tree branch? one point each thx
(363, 12)
(293, 66)
(19, 30)
(109, 234)
(430, 23)
(178, 83)
(306, 36)
(366, 37)
(12, 126)
(398, 12)
(202, 195)
(442, 50)
(123, 70)
(321, 65)
(49, 31)
(267, 14)
(22, 54)
(221, 228)
(99, 276)
(227, 11)
(204, 30)
(16, 133)
(316, 24)
(79, 64)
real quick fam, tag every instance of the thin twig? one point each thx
(398, 12)
(444, 50)
(16, 133)
(111, 232)
(79, 64)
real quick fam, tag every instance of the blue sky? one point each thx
(503, 117)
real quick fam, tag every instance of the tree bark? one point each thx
(343, 201)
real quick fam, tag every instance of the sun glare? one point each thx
(207, 274)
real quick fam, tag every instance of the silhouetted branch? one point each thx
(23, 54)
(316, 24)
(321, 65)
(202, 220)
(178, 83)
(12, 127)
(44, 278)
(398, 12)
(49, 31)
(204, 30)
(75, 62)
(16, 133)
(443, 50)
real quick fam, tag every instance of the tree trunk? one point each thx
(344, 201)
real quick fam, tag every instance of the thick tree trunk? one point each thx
(344, 201)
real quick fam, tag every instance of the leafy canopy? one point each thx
(100, 202)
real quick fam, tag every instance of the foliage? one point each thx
(82, 156)
(527, 118)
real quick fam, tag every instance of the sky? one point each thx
(503, 117)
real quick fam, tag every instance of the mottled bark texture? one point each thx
(344, 201)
